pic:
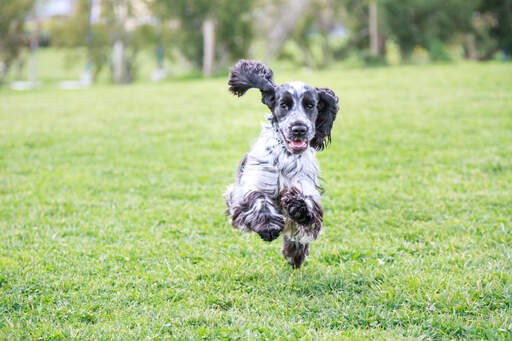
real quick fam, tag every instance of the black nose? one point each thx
(299, 130)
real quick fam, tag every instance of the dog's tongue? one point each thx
(298, 144)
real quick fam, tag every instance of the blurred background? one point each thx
(75, 43)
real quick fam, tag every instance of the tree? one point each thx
(226, 22)
(283, 18)
(364, 20)
(12, 28)
(492, 28)
(311, 30)
(409, 23)
(113, 39)
(425, 23)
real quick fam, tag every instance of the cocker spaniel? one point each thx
(276, 187)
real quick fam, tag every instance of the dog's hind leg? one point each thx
(294, 252)
(303, 224)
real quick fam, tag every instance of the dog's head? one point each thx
(304, 115)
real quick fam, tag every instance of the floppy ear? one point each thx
(247, 74)
(327, 110)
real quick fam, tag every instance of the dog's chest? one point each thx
(292, 168)
(273, 168)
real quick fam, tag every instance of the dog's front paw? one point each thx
(269, 234)
(270, 229)
(295, 205)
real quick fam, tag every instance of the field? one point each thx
(112, 225)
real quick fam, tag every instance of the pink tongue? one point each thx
(298, 144)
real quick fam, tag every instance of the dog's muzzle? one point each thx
(298, 141)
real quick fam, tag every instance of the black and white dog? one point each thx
(277, 189)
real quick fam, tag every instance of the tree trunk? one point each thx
(121, 67)
(373, 28)
(470, 47)
(382, 45)
(208, 46)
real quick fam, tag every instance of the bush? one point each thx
(371, 60)
(437, 51)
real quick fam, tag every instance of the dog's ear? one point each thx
(327, 110)
(247, 74)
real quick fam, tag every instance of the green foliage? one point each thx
(434, 25)
(371, 60)
(13, 15)
(425, 23)
(99, 37)
(499, 25)
(437, 51)
(480, 27)
(234, 30)
(233, 26)
(75, 31)
(112, 225)
(480, 40)
(313, 33)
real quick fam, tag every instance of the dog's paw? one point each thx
(295, 205)
(270, 229)
(300, 213)
(269, 234)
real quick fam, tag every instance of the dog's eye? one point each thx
(284, 105)
(309, 106)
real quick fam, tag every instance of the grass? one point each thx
(112, 226)
(54, 65)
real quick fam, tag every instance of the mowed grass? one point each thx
(112, 225)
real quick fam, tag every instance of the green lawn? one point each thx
(112, 225)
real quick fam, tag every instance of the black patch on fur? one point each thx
(247, 74)
(327, 110)
(318, 216)
(294, 203)
(263, 222)
(295, 253)
(241, 167)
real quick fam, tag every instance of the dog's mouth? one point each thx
(296, 146)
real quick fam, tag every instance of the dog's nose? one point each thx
(299, 130)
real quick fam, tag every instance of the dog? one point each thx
(276, 189)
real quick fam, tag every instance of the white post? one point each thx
(373, 28)
(118, 68)
(208, 46)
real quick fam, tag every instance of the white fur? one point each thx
(297, 86)
(270, 168)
